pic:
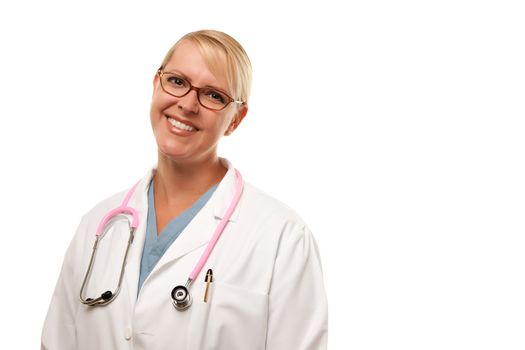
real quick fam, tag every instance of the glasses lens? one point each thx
(213, 99)
(174, 85)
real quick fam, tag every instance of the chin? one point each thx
(172, 151)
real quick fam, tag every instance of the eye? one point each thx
(175, 81)
(214, 96)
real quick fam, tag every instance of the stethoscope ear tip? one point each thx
(106, 295)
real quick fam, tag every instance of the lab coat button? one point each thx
(127, 333)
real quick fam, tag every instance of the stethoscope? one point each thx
(180, 295)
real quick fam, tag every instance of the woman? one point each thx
(260, 287)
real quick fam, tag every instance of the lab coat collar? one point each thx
(220, 200)
(195, 235)
(224, 193)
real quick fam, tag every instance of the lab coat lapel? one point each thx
(201, 228)
(195, 235)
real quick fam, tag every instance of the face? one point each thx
(186, 131)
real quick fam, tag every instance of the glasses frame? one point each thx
(161, 72)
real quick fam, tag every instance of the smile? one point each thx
(180, 125)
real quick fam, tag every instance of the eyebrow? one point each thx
(185, 77)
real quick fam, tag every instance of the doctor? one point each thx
(260, 286)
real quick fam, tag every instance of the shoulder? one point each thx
(136, 195)
(102, 207)
(279, 233)
(91, 219)
(261, 208)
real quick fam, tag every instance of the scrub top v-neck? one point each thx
(156, 245)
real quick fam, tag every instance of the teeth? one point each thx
(180, 125)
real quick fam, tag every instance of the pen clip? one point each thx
(209, 276)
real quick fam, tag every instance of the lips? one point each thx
(181, 123)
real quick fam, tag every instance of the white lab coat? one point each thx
(267, 292)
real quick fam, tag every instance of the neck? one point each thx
(178, 181)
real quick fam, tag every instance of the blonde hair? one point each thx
(217, 47)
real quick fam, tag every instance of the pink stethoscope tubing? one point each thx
(239, 184)
(108, 296)
(180, 294)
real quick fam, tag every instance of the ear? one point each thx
(237, 119)
(155, 79)
(155, 82)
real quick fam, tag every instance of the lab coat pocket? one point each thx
(233, 318)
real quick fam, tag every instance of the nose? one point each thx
(189, 103)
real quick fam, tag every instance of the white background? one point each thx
(395, 129)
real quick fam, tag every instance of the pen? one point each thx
(208, 279)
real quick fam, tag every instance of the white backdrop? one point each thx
(395, 129)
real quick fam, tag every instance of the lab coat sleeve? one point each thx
(59, 327)
(298, 311)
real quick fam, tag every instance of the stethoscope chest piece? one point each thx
(181, 297)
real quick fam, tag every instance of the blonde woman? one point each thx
(191, 257)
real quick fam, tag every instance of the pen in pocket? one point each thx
(208, 279)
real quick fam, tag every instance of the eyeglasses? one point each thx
(210, 98)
